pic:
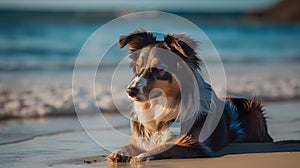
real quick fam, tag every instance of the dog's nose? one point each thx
(132, 91)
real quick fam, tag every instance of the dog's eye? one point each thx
(160, 72)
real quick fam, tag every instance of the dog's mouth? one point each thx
(137, 99)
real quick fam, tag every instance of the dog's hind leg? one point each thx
(251, 115)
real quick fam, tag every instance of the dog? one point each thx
(171, 102)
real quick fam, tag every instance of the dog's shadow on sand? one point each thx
(231, 149)
(243, 148)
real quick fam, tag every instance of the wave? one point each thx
(59, 64)
(52, 95)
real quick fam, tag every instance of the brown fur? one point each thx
(171, 88)
(151, 139)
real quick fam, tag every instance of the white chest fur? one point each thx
(157, 139)
(158, 110)
(154, 109)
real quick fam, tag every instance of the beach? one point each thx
(63, 78)
(62, 142)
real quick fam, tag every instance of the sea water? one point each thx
(39, 44)
(38, 51)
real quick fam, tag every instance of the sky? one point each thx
(109, 5)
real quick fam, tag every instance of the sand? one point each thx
(62, 142)
(279, 159)
(244, 155)
(276, 154)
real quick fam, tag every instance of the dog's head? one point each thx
(156, 64)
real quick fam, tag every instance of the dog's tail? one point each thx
(251, 116)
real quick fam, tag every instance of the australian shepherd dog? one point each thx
(172, 101)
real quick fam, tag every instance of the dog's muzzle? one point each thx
(135, 88)
(132, 91)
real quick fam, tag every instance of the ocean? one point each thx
(38, 42)
(38, 51)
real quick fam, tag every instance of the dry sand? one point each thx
(280, 160)
(274, 159)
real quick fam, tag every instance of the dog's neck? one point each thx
(156, 114)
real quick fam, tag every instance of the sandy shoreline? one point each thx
(278, 154)
(279, 159)
(61, 142)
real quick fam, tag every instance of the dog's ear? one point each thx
(185, 47)
(137, 40)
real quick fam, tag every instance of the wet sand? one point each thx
(68, 142)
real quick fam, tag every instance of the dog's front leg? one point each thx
(124, 154)
(168, 151)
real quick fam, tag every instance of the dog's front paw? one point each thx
(142, 157)
(119, 156)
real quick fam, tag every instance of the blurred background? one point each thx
(49, 34)
(40, 40)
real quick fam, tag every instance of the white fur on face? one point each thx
(139, 83)
(157, 107)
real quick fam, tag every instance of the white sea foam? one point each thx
(34, 95)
